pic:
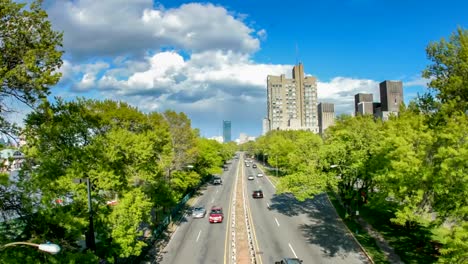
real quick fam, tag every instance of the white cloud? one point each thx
(417, 81)
(341, 91)
(116, 27)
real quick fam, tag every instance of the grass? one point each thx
(367, 242)
(412, 245)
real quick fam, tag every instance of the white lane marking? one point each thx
(270, 182)
(292, 250)
(198, 235)
(216, 190)
(268, 205)
(212, 200)
(277, 221)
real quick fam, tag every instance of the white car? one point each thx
(260, 175)
(250, 178)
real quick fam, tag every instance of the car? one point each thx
(199, 212)
(289, 261)
(254, 165)
(247, 165)
(217, 180)
(260, 174)
(250, 178)
(257, 194)
(216, 215)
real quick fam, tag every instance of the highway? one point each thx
(198, 241)
(282, 227)
(308, 230)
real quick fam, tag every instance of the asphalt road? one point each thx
(282, 227)
(308, 230)
(198, 241)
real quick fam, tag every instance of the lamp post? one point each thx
(355, 171)
(90, 241)
(276, 157)
(47, 247)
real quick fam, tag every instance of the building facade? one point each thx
(391, 95)
(363, 104)
(326, 116)
(292, 103)
(226, 131)
(265, 126)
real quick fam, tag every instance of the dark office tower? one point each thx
(326, 116)
(226, 131)
(363, 104)
(391, 95)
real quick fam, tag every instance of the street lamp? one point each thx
(355, 171)
(90, 241)
(48, 247)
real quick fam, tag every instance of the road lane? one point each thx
(309, 230)
(196, 240)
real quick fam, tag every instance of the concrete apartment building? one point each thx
(292, 103)
(363, 104)
(391, 97)
(326, 116)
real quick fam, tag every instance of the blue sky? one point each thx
(210, 59)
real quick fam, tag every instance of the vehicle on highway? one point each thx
(250, 177)
(289, 261)
(254, 165)
(247, 165)
(257, 194)
(199, 212)
(216, 215)
(260, 174)
(217, 180)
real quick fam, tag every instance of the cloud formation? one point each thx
(119, 27)
(196, 58)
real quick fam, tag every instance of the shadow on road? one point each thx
(323, 227)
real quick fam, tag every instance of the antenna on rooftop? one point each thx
(297, 54)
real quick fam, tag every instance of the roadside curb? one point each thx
(349, 231)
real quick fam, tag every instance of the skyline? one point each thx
(210, 60)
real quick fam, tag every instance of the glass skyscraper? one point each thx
(226, 131)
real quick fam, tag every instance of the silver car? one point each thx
(199, 212)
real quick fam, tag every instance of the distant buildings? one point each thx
(226, 131)
(363, 104)
(391, 97)
(292, 103)
(326, 116)
(265, 126)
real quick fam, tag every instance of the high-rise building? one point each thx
(292, 103)
(363, 104)
(391, 95)
(226, 131)
(326, 116)
(265, 126)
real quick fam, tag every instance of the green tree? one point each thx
(350, 145)
(448, 73)
(30, 56)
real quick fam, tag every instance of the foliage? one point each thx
(448, 73)
(67, 139)
(30, 56)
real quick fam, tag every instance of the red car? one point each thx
(257, 194)
(216, 215)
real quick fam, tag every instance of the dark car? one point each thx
(257, 194)
(254, 165)
(217, 180)
(289, 261)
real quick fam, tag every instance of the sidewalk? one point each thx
(383, 245)
(381, 242)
